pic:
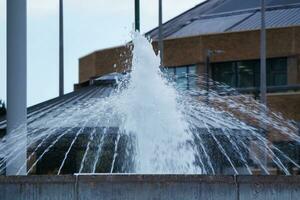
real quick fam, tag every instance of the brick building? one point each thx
(232, 26)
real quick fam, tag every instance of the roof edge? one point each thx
(168, 21)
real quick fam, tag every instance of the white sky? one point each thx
(89, 25)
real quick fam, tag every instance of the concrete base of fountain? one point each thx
(144, 187)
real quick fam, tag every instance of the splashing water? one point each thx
(151, 125)
(150, 111)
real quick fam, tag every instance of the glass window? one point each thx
(181, 71)
(181, 77)
(243, 74)
(277, 72)
(192, 77)
(185, 76)
(225, 73)
(171, 71)
(192, 70)
(246, 73)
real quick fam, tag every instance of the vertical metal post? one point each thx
(16, 85)
(160, 33)
(207, 66)
(61, 48)
(137, 15)
(263, 74)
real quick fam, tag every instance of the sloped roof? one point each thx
(98, 88)
(217, 16)
(274, 18)
(43, 110)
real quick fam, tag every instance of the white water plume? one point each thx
(148, 124)
(150, 110)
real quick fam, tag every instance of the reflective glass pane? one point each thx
(192, 78)
(246, 76)
(181, 71)
(277, 71)
(182, 83)
(181, 77)
(170, 71)
(279, 64)
(193, 69)
(279, 79)
(225, 73)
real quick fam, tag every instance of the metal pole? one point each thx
(137, 15)
(263, 73)
(207, 63)
(61, 48)
(160, 33)
(263, 76)
(16, 85)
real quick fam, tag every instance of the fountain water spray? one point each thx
(155, 126)
(150, 109)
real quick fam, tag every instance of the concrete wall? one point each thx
(150, 187)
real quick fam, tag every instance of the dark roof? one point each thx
(98, 87)
(217, 16)
(43, 110)
(274, 18)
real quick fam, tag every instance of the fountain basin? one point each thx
(144, 187)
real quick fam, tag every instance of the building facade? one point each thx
(236, 34)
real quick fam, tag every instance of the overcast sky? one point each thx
(89, 25)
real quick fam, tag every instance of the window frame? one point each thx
(187, 73)
(256, 71)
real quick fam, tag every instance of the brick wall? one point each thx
(236, 46)
(281, 42)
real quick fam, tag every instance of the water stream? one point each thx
(148, 124)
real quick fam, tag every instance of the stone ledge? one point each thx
(155, 178)
(37, 179)
(149, 187)
(150, 178)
